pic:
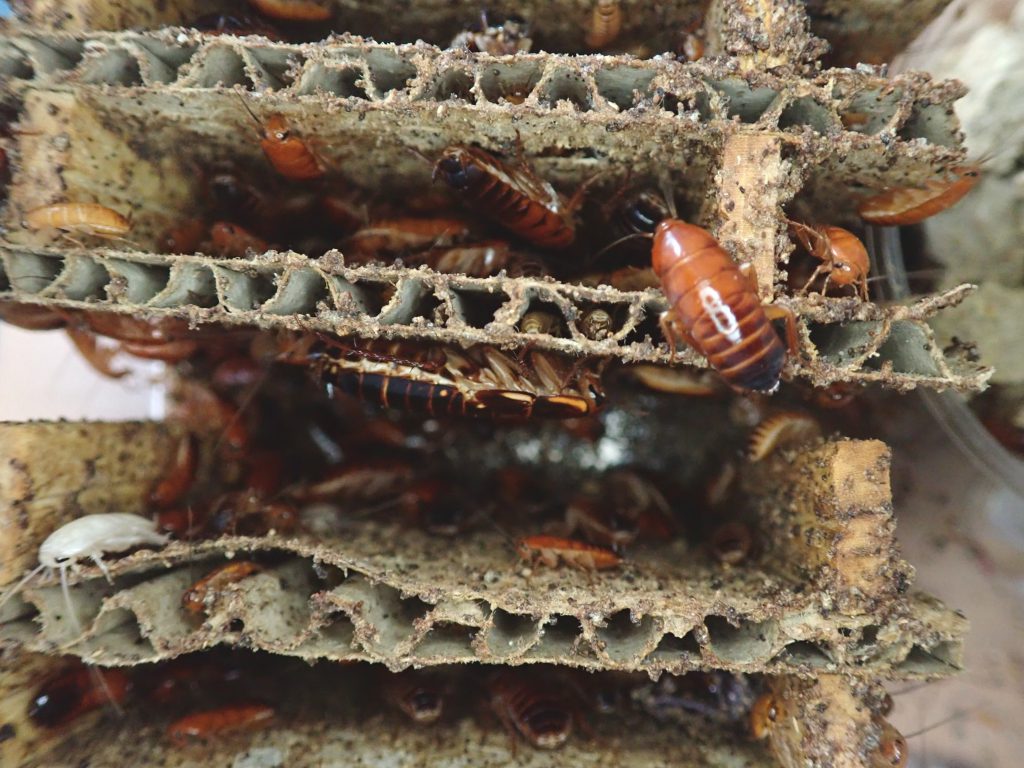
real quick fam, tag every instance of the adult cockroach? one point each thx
(235, 242)
(202, 410)
(78, 218)
(212, 723)
(292, 10)
(554, 550)
(196, 599)
(844, 259)
(513, 197)
(540, 713)
(513, 36)
(789, 428)
(289, 155)
(714, 307)
(71, 693)
(605, 24)
(911, 205)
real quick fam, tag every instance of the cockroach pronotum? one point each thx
(605, 24)
(289, 155)
(293, 10)
(161, 338)
(844, 259)
(513, 197)
(234, 242)
(212, 723)
(789, 428)
(911, 205)
(69, 694)
(78, 218)
(714, 307)
(540, 713)
(196, 598)
(177, 480)
(554, 550)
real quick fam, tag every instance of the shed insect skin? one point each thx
(289, 155)
(787, 428)
(552, 551)
(513, 197)
(541, 714)
(715, 308)
(194, 601)
(844, 259)
(78, 218)
(912, 205)
(212, 723)
(605, 24)
(71, 693)
(292, 10)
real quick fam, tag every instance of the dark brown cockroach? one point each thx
(677, 381)
(513, 197)
(188, 677)
(844, 259)
(239, 26)
(289, 155)
(235, 242)
(714, 307)
(71, 693)
(420, 695)
(605, 24)
(78, 218)
(789, 428)
(293, 10)
(552, 551)
(540, 713)
(197, 597)
(731, 543)
(246, 513)
(912, 205)
(394, 237)
(511, 37)
(213, 723)
(178, 478)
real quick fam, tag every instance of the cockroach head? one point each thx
(454, 167)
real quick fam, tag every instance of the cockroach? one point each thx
(188, 677)
(264, 472)
(213, 723)
(513, 36)
(600, 522)
(911, 205)
(419, 695)
(789, 428)
(343, 212)
(892, 750)
(540, 713)
(767, 711)
(292, 10)
(184, 523)
(539, 321)
(239, 26)
(719, 697)
(482, 259)
(605, 24)
(844, 259)
(836, 395)
(289, 155)
(31, 317)
(239, 200)
(553, 550)
(203, 411)
(731, 543)
(245, 513)
(71, 693)
(178, 478)
(396, 236)
(235, 242)
(677, 381)
(597, 324)
(236, 372)
(358, 482)
(714, 307)
(513, 197)
(197, 597)
(693, 46)
(625, 279)
(184, 238)
(78, 218)
(162, 338)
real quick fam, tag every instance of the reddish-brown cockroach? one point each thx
(188, 677)
(178, 478)
(184, 238)
(513, 197)
(236, 372)
(289, 155)
(204, 411)
(714, 307)
(184, 523)
(605, 24)
(235, 242)
(359, 482)
(71, 693)
(677, 381)
(343, 212)
(78, 218)
(765, 715)
(226, 24)
(245, 513)
(162, 338)
(837, 395)
(393, 237)
(292, 10)
(31, 317)
(237, 200)
(513, 36)
(213, 723)
(844, 259)
(554, 550)
(892, 750)
(540, 713)
(420, 695)
(911, 205)
(196, 598)
(789, 428)
(482, 259)
(731, 543)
